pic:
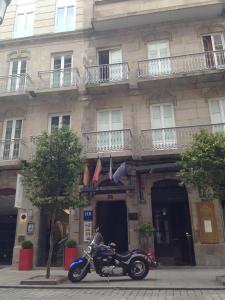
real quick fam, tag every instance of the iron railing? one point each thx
(183, 64)
(104, 141)
(15, 83)
(107, 73)
(174, 139)
(11, 149)
(67, 77)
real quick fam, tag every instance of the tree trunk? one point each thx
(51, 241)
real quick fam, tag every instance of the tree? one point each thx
(203, 165)
(51, 180)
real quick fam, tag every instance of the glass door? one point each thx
(17, 79)
(217, 113)
(214, 48)
(163, 131)
(62, 72)
(11, 139)
(115, 68)
(158, 54)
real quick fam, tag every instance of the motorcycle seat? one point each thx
(124, 256)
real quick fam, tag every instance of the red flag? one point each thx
(97, 172)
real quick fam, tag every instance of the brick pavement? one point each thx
(109, 294)
(161, 278)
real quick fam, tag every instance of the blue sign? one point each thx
(88, 215)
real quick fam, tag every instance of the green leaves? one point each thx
(203, 165)
(52, 178)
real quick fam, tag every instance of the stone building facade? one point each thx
(135, 80)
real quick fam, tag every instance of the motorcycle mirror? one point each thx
(97, 229)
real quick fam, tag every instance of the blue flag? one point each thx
(120, 172)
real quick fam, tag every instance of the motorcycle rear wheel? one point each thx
(75, 274)
(138, 268)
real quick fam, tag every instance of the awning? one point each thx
(158, 168)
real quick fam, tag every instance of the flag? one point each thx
(86, 176)
(120, 172)
(110, 168)
(97, 172)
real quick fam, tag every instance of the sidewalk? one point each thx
(170, 278)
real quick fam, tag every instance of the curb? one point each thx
(108, 288)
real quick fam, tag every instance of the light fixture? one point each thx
(3, 6)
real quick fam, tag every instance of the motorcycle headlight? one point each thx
(89, 249)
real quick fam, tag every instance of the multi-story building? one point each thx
(135, 80)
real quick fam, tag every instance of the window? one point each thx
(214, 47)
(162, 122)
(110, 62)
(24, 19)
(65, 15)
(61, 70)
(17, 75)
(217, 113)
(59, 121)
(110, 133)
(158, 53)
(10, 147)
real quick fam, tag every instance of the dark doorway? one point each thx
(7, 238)
(111, 218)
(8, 219)
(171, 219)
(60, 237)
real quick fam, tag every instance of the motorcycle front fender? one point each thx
(81, 261)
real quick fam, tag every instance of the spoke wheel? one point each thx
(138, 269)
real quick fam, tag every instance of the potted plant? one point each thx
(70, 253)
(146, 231)
(26, 256)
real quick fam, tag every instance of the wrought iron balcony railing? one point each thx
(105, 141)
(14, 83)
(68, 77)
(183, 64)
(11, 149)
(107, 73)
(173, 139)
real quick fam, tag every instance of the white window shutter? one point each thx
(156, 117)
(19, 192)
(103, 121)
(116, 120)
(216, 116)
(115, 56)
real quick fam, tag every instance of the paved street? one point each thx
(109, 294)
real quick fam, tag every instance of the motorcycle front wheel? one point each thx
(76, 273)
(138, 268)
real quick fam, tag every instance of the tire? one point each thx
(75, 274)
(138, 268)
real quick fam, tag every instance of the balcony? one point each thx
(60, 79)
(107, 76)
(116, 14)
(206, 63)
(172, 140)
(114, 142)
(15, 84)
(11, 152)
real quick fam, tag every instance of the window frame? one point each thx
(25, 10)
(65, 4)
(61, 115)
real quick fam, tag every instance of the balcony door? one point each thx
(217, 114)
(214, 47)
(17, 75)
(158, 53)
(110, 133)
(61, 71)
(162, 122)
(110, 63)
(12, 131)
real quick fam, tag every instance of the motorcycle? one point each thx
(108, 263)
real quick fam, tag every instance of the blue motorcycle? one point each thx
(108, 263)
